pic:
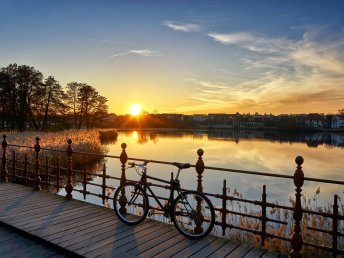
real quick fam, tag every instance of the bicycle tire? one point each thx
(193, 214)
(134, 213)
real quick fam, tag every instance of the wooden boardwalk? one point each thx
(82, 229)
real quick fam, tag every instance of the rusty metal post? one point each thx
(296, 239)
(199, 169)
(69, 185)
(104, 183)
(46, 171)
(37, 184)
(14, 167)
(58, 173)
(264, 219)
(335, 227)
(4, 172)
(123, 158)
(84, 182)
(224, 207)
(26, 173)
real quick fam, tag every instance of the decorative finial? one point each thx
(299, 160)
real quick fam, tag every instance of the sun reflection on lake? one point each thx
(135, 136)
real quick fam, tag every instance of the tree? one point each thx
(86, 104)
(28, 80)
(341, 111)
(54, 100)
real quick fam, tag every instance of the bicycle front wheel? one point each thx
(193, 214)
(130, 203)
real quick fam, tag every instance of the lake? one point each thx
(269, 152)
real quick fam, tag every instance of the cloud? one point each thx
(183, 27)
(231, 38)
(252, 42)
(140, 52)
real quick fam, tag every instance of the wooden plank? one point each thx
(211, 248)
(240, 251)
(140, 248)
(226, 249)
(83, 239)
(34, 215)
(163, 246)
(63, 226)
(58, 223)
(195, 247)
(254, 253)
(92, 230)
(101, 221)
(43, 214)
(271, 255)
(27, 208)
(20, 246)
(185, 244)
(40, 225)
(160, 231)
(111, 243)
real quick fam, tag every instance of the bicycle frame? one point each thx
(174, 186)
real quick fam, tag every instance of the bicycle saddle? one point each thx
(181, 165)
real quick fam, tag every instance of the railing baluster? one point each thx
(335, 227)
(224, 207)
(104, 183)
(123, 158)
(199, 169)
(84, 182)
(37, 184)
(296, 239)
(46, 171)
(4, 172)
(69, 185)
(263, 216)
(58, 173)
(14, 166)
(26, 173)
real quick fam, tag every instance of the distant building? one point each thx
(220, 119)
(315, 120)
(199, 118)
(337, 122)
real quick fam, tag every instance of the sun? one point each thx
(135, 109)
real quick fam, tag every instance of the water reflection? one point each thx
(313, 140)
(269, 152)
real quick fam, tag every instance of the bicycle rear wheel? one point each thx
(130, 203)
(193, 214)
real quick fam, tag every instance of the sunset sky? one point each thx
(186, 56)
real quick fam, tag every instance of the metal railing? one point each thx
(51, 176)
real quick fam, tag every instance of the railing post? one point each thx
(296, 239)
(104, 183)
(224, 207)
(263, 216)
(335, 226)
(69, 185)
(4, 172)
(85, 183)
(58, 173)
(26, 173)
(14, 167)
(46, 171)
(199, 169)
(123, 158)
(37, 184)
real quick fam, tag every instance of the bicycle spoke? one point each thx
(133, 211)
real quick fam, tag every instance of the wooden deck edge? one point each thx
(40, 240)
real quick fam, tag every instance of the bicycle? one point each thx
(191, 212)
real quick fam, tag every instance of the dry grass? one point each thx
(281, 230)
